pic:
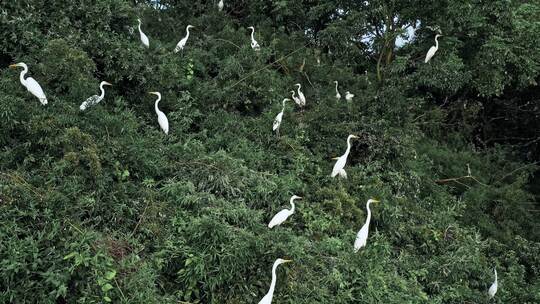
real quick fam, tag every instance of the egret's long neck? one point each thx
(187, 32)
(299, 86)
(140, 31)
(102, 90)
(436, 42)
(292, 204)
(336, 87)
(348, 146)
(368, 213)
(21, 76)
(274, 279)
(253, 34)
(495, 275)
(156, 104)
(283, 108)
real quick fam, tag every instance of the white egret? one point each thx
(493, 288)
(433, 49)
(361, 236)
(301, 96)
(349, 96)
(342, 160)
(220, 5)
(267, 299)
(338, 96)
(93, 100)
(296, 99)
(180, 46)
(144, 38)
(254, 44)
(279, 118)
(30, 83)
(162, 118)
(282, 216)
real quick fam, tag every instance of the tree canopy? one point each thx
(101, 206)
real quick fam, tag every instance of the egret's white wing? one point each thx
(144, 39)
(277, 121)
(255, 45)
(180, 46)
(430, 53)
(338, 166)
(33, 87)
(220, 5)
(92, 100)
(279, 218)
(302, 98)
(361, 237)
(163, 122)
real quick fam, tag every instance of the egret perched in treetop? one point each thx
(342, 160)
(296, 99)
(279, 118)
(267, 299)
(30, 83)
(220, 5)
(93, 100)
(282, 216)
(254, 44)
(144, 38)
(349, 96)
(301, 97)
(162, 119)
(493, 288)
(433, 49)
(361, 236)
(338, 96)
(182, 43)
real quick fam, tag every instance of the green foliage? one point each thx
(100, 206)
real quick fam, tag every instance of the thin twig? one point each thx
(119, 289)
(140, 219)
(228, 42)
(522, 167)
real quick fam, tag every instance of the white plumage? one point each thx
(493, 288)
(144, 39)
(267, 299)
(180, 46)
(342, 160)
(220, 5)
(349, 96)
(95, 99)
(296, 99)
(433, 49)
(301, 97)
(338, 96)
(30, 83)
(254, 44)
(162, 118)
(362, 235)
(279, 117)
(282, 216)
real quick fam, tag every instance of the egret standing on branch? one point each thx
(267, 299)
(493, 288)
(254, 44)
(342, 160)
(282, 216)
(279, 118)
(93, 100)
(433, 49)
(144, 38)
(296, 99)
(349, 96)
(162, 118)
(301, 97)
(180, 46)
(361, 236)
(338, 96)
(30, 83)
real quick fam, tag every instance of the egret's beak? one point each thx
(299, 197)
(287, 261)
(106, 83)
(375, 201)
(335, 158)
(12, 66)
(354, 136)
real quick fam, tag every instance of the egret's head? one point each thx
(20, 64)
(282, 261)
(139, 20)
(438, 35)
(106, 83)
(299, 85)
(292, 92)
(155, 93)
(372, 200)
(352, 136)
(190, 26)
(335, 81)
(295, 197)
(286, 99)
(251, 28)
